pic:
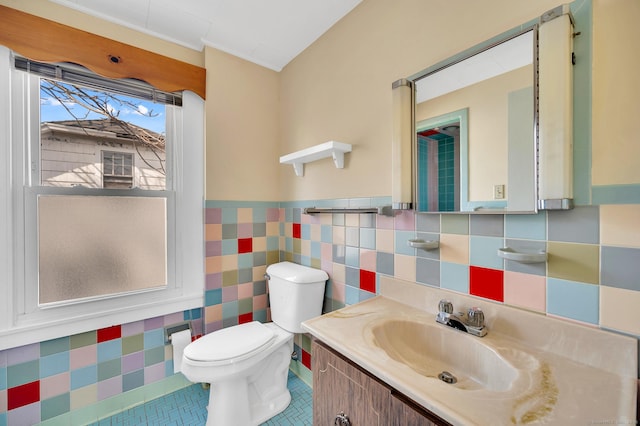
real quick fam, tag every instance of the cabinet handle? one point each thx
(342, 420)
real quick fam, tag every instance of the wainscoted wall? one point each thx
(90, 375)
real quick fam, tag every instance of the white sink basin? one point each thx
(430, 349)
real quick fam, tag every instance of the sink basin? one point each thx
(431, 349)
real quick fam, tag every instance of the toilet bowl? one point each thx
(247, 365)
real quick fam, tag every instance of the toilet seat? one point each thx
(230, 344)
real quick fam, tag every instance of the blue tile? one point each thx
(352, 257)
(84, 376)
(154, 338)
(401, 246)
(305, 231)
(229, 215)
(54, 364)
(109, 350)
(229, 247)
(326, 233)
(621, 267)
(454, 276)
(368, 238)
(573, 300)
(483, 251)
(580, 225)
(351, 295)
(273, 243)
(245, 260)
(530, 227)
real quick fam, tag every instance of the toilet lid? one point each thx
(228, 343)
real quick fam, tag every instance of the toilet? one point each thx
(247, 364)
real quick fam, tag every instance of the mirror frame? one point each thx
(489, 206)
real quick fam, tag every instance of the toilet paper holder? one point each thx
(174, 328)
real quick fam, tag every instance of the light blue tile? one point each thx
(316, 249)
(51, 365)
(326, 233)
(352, 236)
(352, 257)
(229, 215)
(230, 310)
(273, 243)
(153, 338)
(305, 231)
(483, 251)
(368, 238)
(351, 295)
(530, 227)
(259, 214)
(84, 377)
(109, 350)
(364, 295)
(245, 260)
(401, 246)
(454, 276)
(573, 300)
(229, 247)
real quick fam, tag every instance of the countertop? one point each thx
(564, 386)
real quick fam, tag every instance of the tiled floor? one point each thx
(188, 406)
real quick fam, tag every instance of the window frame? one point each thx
(22, 322)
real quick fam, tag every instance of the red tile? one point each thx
(109, 333)
(296, 230)
(487, 283)
(306, 359)
(244, 318)
(245, 245)
(367, 281)
(22, 395)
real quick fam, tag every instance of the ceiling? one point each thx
(267, 32)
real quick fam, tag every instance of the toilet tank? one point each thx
(296, 294)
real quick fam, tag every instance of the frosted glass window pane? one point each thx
(94, 246)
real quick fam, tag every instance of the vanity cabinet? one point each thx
(343, 390)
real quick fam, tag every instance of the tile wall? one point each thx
(71, 374)
(590, 277)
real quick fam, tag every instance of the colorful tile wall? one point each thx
(47, 379)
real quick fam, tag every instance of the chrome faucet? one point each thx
(471, 322)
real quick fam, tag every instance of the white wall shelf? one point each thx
(510, 254)
(328, 149)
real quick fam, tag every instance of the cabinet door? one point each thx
(340, 387)
(404, 413)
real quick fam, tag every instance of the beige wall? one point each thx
(242, 119)
(616, 89)
(340, 87)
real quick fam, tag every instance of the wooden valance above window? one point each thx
(43, 40)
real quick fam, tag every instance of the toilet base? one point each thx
(256, 399)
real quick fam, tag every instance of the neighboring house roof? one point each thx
(106, 127)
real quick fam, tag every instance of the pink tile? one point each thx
(230, 294)
(23, 354)
(368, 259)
(525, 290)
(326, 251)
(384, 222)
(173, 318)
(213, 215)
(154, 373)
(110, 387)
(27, 415)
(132, 362)
(337, 291)
(245, 290)
(273, 215)
(213, 281)
(132, 328)
(260, 302)
(82, 357)
(327, 265)
(153, 323)
(3, 401)
(405, 220)
(54, 385)
(245, 230)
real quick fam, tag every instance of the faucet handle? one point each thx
(445, 306)
(475, 317)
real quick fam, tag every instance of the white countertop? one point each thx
(563, 386)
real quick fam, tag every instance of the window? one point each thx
(96, 199)
(117, 170)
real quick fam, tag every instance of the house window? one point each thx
(117, 170)
(103, 219)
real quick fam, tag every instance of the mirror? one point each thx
(475, 138)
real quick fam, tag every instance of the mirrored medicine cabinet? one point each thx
(490, 130)
(474, 129)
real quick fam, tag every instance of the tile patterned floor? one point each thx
(188, 407)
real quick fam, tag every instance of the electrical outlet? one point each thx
(498, 192)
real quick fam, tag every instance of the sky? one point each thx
(52, 110)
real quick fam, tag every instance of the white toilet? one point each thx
(247, 364)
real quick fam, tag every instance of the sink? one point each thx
(431, 349)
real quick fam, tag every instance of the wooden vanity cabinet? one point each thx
(342, 388)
